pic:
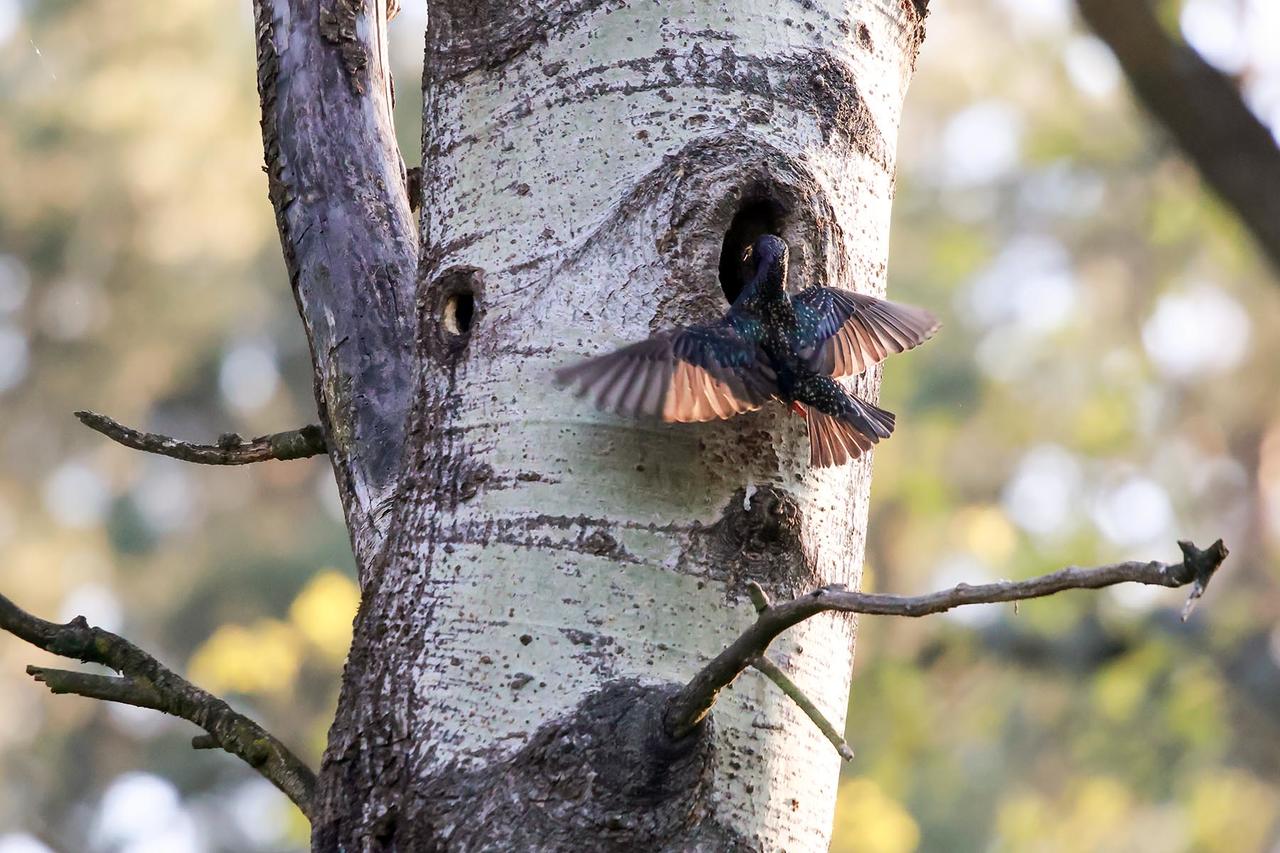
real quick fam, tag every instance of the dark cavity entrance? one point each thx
(459, 308)
(756, 216)
(460, 305)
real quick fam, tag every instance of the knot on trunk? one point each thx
(759, 538)
(603, 777)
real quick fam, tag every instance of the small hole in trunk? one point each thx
(758, 215)
(459, 308)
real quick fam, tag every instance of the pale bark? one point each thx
(553, 574)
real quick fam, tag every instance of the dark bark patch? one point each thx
(758, 538)
(488, 34)
(532, 531)
(601, 544)
(605, 777)
(338, 27)
(914, 13)
(471, 478)
(816, 81)
(827, 82)
(585, 638)
(864, 36)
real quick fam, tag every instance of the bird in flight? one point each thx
(769, 346)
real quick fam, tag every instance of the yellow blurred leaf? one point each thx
(1102, 423)
(1101, 806)
(323, 612)
(263, 658)
(1195, 709)
(986, 532)
(870, 821)
(1119, 690)
(1231, 810)
(1021, 821)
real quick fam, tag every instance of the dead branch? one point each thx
(1202, 110)
(146, 683)
(231, 449)
(337, 183)
(691, 705)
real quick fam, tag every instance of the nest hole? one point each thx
(458, 306)
(459, 309)
(756, 216)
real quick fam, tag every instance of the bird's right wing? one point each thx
(850, 332)
(699, 373)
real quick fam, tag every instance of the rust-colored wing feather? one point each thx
(701, 373)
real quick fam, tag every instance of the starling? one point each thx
(769, 346)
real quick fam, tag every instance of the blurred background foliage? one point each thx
(1107, 382)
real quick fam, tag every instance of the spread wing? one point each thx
(846, 333)
(700, 373)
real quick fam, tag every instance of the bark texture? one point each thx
(552, 574)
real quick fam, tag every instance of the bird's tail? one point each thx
(835, 440)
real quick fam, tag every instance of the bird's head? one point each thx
(768, 255)
(767, 250)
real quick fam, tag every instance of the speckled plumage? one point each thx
(769, 346)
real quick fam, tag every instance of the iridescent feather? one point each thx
(769, 346)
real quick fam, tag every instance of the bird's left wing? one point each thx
(699, 373)
(845, 333)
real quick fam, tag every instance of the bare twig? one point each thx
(109, 688)
(146, 683)
(1203, 111)
(789, 687)
(691, 705)
(231, 449)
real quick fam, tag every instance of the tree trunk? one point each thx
(548, 574)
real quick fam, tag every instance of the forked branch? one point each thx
(146, 683)
(230, 449)
(691, 705)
